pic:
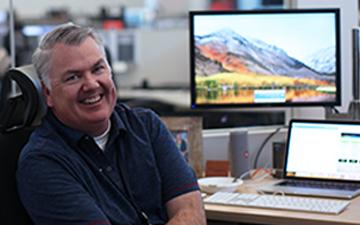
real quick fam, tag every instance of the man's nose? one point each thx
(90, 82)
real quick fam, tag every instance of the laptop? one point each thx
(322, 158)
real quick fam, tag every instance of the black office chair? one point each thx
(21, 110)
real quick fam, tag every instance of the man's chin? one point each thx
(98, 120)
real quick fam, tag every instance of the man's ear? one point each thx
(47, 95)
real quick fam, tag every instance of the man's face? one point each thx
(82, 94)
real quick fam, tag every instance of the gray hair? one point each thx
(69, 34)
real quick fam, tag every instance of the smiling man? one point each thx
(93, 161)
(82, 93)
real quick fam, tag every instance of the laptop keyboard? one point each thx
(321, 184)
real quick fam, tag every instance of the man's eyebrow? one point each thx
(99, 62)
(71, 72)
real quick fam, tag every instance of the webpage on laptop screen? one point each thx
(326, 151)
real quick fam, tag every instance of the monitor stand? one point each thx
(352, 114)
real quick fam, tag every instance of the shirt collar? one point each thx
(117, 120)
(69, 133)
(118, 126)
(74, 136)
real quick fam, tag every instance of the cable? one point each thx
(264, 143)
(242, 176)
(334, 110)
(253, 174)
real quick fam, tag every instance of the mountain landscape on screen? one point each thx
(226, 50)
(227, 60)
(323, 60)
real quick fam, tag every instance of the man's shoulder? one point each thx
(138, 119)
(43, 140)
(125, 111)
(124, 108)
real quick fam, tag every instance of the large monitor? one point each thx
(283, 57)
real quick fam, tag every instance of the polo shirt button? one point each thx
(100, 170)
(109, 169)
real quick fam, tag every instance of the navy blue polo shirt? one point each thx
(65, 178)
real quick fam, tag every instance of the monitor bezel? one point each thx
(336, 102)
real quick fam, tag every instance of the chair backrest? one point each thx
(21, 109)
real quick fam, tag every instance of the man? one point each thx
(91, 161)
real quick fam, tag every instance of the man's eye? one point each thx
(99, 69)
(72, 77)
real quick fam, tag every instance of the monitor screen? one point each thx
(265, 58)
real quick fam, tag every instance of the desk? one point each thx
(235, 215)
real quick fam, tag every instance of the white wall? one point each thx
(36, 8)
(216, 144)
(161, 57)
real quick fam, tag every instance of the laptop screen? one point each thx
(323, 150)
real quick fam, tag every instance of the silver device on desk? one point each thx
(322, 159)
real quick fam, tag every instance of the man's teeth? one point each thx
(92, 99)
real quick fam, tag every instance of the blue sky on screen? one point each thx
(299, 35)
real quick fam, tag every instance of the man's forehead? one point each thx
(85, 54)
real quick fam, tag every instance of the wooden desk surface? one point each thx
(351, 215)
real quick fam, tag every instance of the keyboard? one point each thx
(293, 203)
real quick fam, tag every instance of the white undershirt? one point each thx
(102, 139)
